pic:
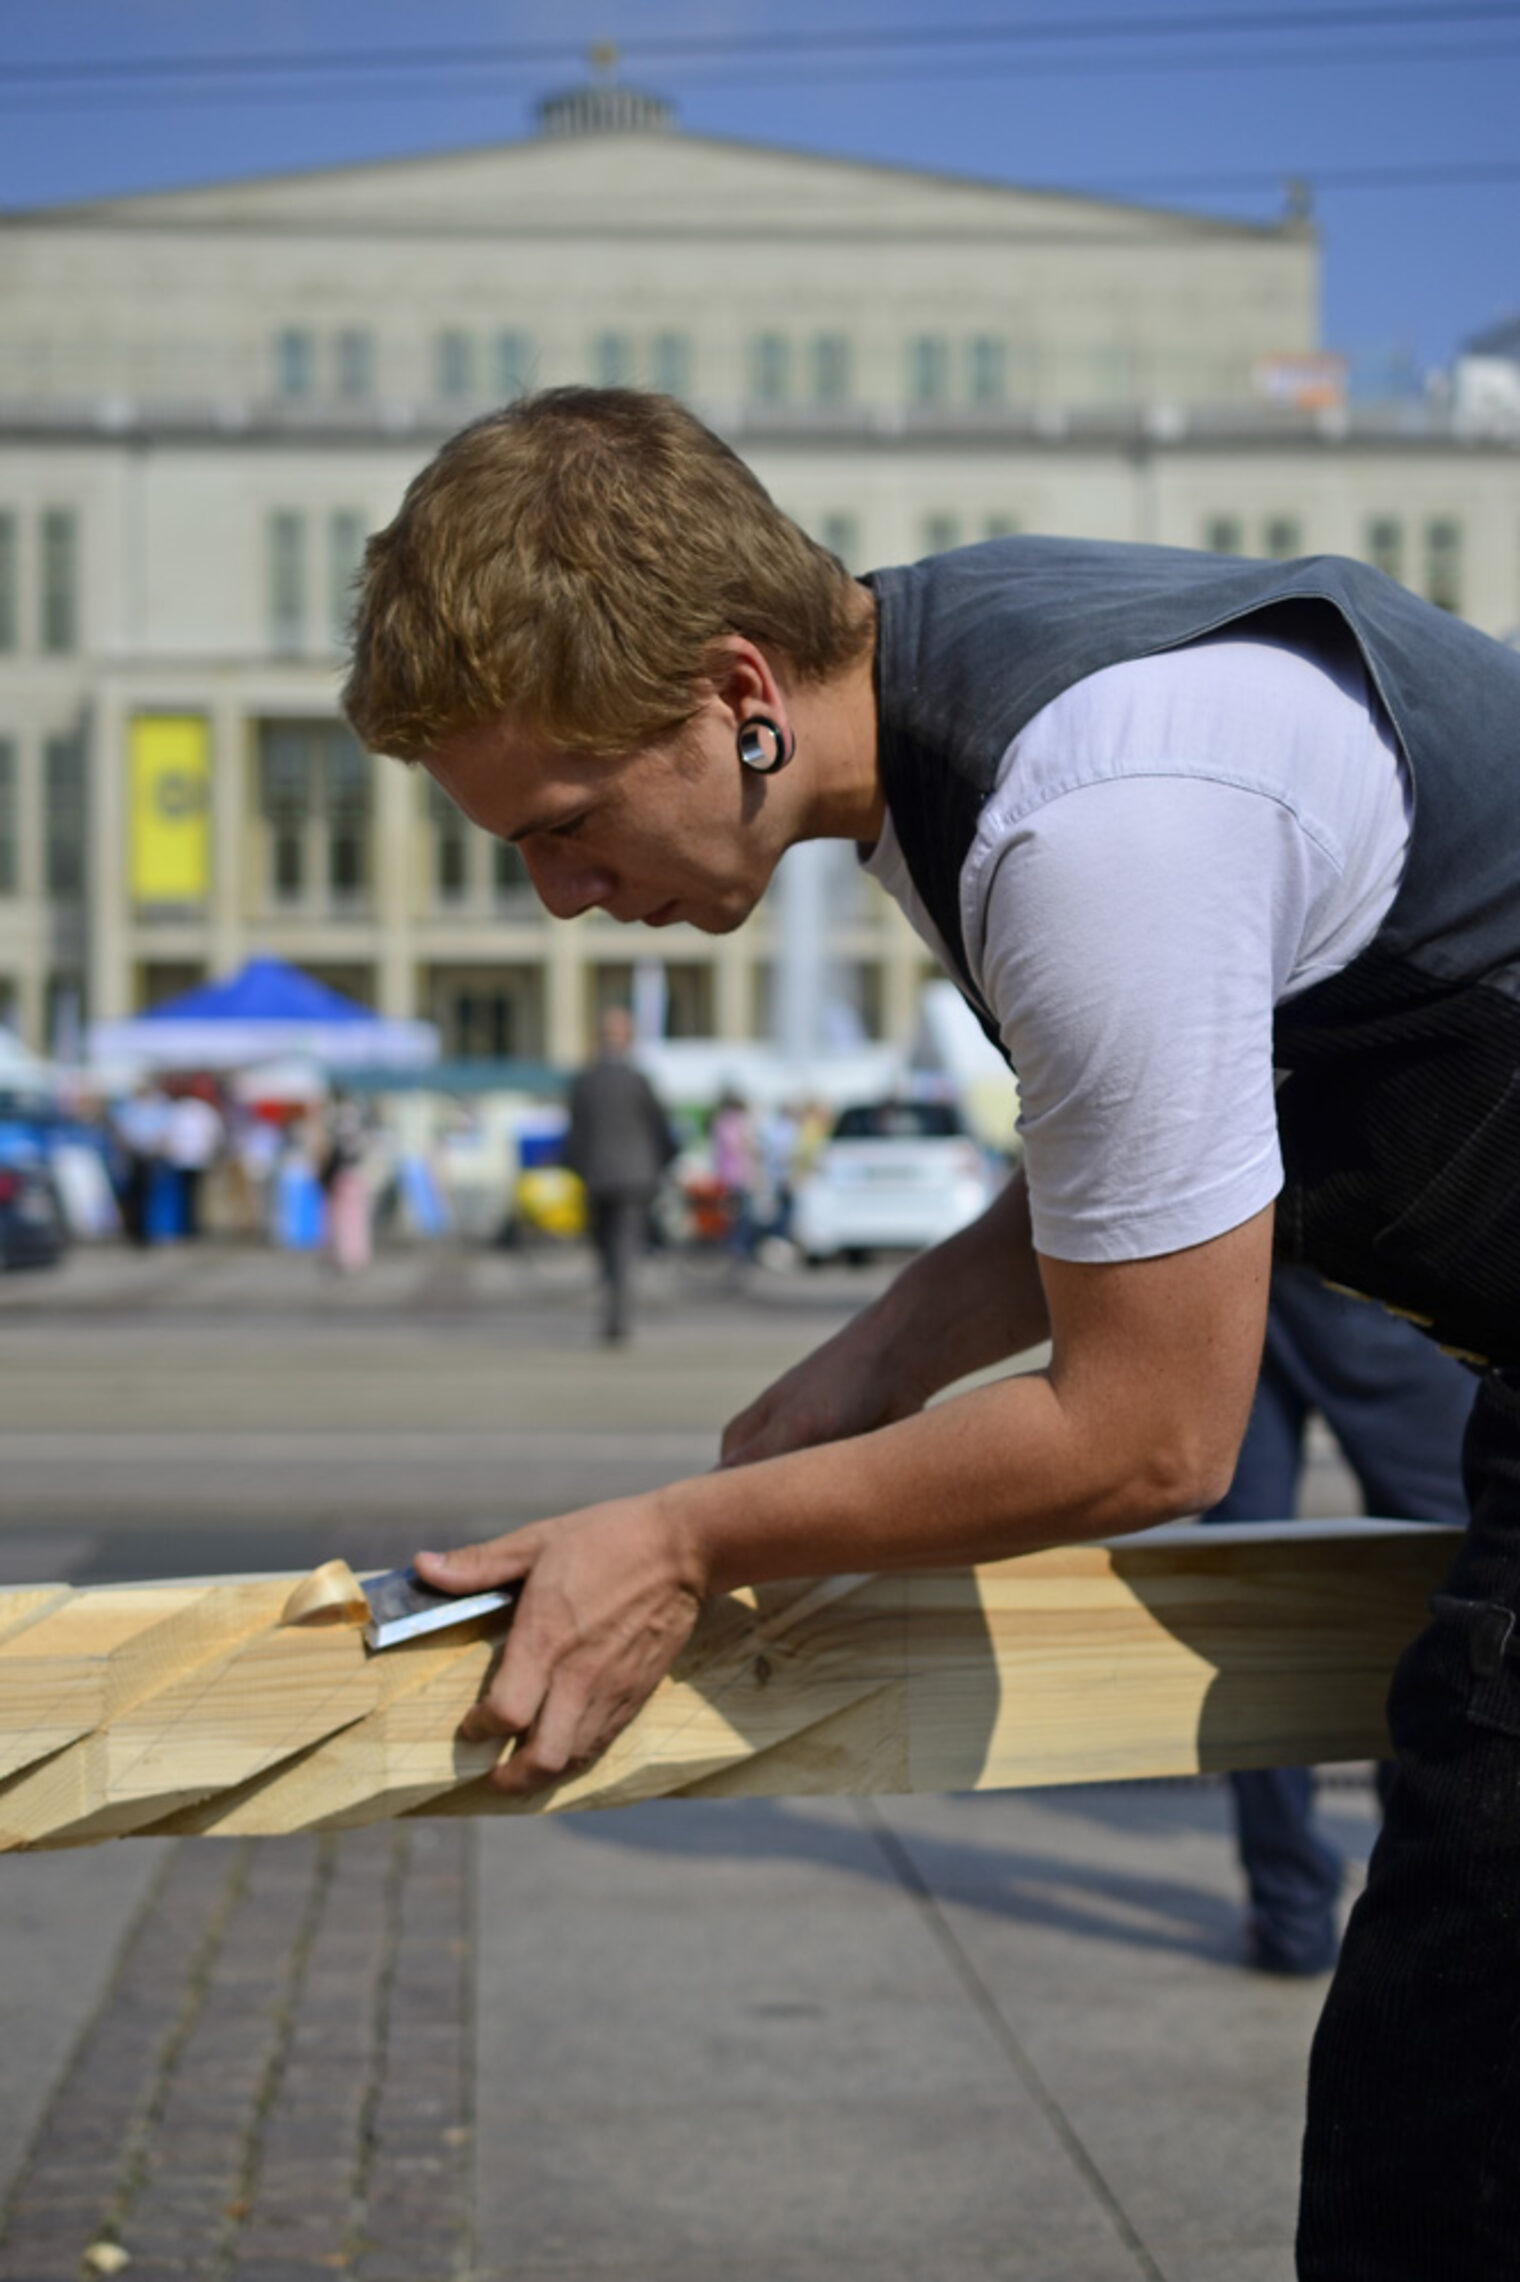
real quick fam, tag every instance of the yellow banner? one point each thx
(169, 781)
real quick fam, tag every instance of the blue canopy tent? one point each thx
(265, 1010)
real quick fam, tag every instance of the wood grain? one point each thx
(192, 1708)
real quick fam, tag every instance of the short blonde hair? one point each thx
(568, 562)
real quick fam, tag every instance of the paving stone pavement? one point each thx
(1002, 2039)
(277, 2083)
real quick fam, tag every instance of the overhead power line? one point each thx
(1374, 15)
(434, 83)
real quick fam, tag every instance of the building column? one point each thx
(396, 829)
(107, 946)
(31, 1001)
(227, 936)
(565, 995)
(731, 986)
(902, 961)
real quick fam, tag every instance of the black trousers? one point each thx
(1412, 2152)
(619, 1223)
(1398, 1408)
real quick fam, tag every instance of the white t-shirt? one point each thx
(1172, 847)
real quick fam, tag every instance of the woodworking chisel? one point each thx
(401, 1607)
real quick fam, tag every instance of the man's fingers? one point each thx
(512, 1700)
(474, 1568)
(549, 1752)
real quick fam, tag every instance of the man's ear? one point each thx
(740, 677)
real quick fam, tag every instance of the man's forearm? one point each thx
(994, 1471)
(973, 1301)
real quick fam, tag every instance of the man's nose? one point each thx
(565, 884)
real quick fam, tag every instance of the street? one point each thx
(925, 2040)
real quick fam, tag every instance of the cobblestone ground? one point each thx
(278, 2083)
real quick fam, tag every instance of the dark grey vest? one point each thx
(1400, 1110)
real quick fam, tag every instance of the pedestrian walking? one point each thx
(1226, 855)
(345, 1187)
(619, 1144)
(1398, 1408)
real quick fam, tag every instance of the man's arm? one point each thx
(1137, 1419)
(973, 1300)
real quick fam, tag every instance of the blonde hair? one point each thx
(569, 561)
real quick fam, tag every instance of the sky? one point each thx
(1401, 115)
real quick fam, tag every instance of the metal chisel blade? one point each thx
(401, 1607)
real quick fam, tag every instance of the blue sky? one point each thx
(1212, 113)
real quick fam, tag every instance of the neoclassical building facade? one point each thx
(209, 396)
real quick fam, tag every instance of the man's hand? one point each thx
(609, 1598)
(839, 1391)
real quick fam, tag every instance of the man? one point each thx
(1178, 825)
(619, 1144)
(1397, 1407)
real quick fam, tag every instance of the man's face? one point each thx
(680, 831)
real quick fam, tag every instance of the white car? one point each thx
(893, 1174)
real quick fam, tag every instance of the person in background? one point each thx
(193, 1140)
(778, 1139)
(1398, 1408)
(140, 1127)
(619, 1144)
(731, 1137)
(347, 1231)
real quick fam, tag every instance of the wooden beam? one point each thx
(192, 1708)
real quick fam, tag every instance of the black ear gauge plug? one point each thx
(763, 745)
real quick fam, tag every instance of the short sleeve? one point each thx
(1132, 952)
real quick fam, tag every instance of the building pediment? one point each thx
(641, 184)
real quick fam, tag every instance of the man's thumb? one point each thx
(468, 1569)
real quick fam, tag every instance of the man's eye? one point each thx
(568, 829)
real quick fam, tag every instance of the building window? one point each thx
(829, 363)
(345, 558)
(928, 372)
(1385, 545)
(295, 362)
(670, 364)
(941, 533)
(509, 873)
(60, 581)
(354, 364)
(10, 1003)
(65, 1016)
(451, 847)
(1224, 535)
(287, 582)
(346, 773)
(689, 1011)
(770, 369)
(987, 374)
(1443, 564)
(488, 1013)
(10, 820)
(514, 364)
(1282, 536)
(10, 583)
(285, 803)
(454, 365)
(841, 535)
(612, 360)
(315, 801)
(63, 815)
